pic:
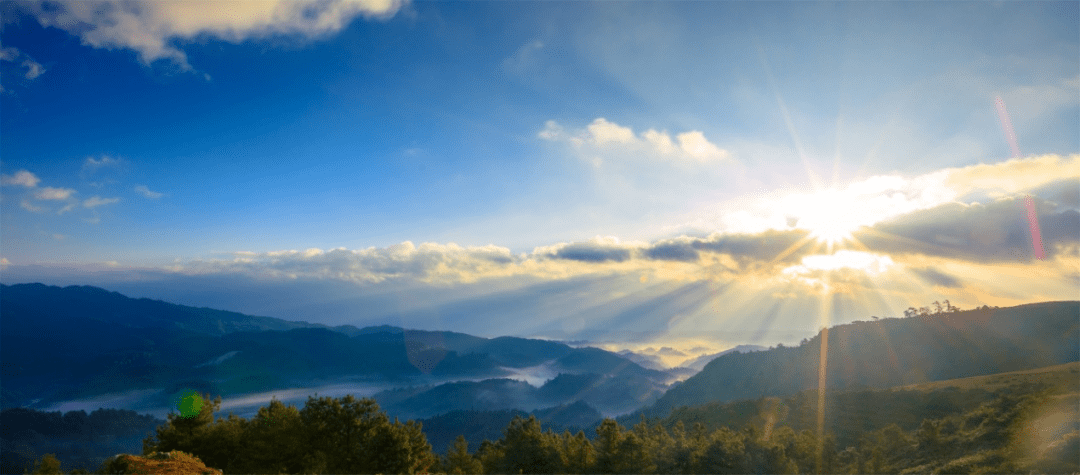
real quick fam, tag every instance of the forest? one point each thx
(1018, 425)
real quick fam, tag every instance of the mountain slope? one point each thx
(893, 352)
(101, 342)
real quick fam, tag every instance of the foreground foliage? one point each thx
(1019, 427)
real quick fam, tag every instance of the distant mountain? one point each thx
(892, 352)
(97, 342)
(645, 360)
(699, 363)
(612, 394)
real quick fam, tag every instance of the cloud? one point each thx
(143, 190)
(95, 201)
(599, 249)
(1013, 176)
(604, 136)
(428, 262)
(91, 165)
(50, 193)
(21, 178)
(994, 232)
(933, 276)
(153, 28)
(33, 68)
(525, 59)
(27, 205)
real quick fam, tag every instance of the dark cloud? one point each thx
(592, 252)
(994, 232)
(764, 246)
(672, 251)
(1066, 193)
(935, 277)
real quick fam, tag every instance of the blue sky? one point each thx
(462, 157)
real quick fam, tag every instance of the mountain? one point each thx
(699, 363)
(98, 343)
(892, 352)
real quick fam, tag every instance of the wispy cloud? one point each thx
(20, 178)
(95, 201)
(146, 192)
(51, 193)
(150, 28)
(33, 68)
(91, 164)
(27, 205)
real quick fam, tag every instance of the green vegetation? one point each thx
(1027, 423)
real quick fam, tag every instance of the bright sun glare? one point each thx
(829, 215)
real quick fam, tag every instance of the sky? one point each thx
(630, 173)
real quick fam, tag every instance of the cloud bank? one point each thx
(923, 243)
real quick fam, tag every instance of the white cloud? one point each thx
(845, 259)
(21, 178)
(695, 145)
(50, 193)
(95, 201)
(603, 136)
(603, 132)
(152, 28)
(33, 69)
(143, 190)
(1013, 176)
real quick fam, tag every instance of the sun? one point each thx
(830, 216)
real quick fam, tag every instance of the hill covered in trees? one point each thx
(892, 352)
(162, 348)
(81, 440)
(1014, 423)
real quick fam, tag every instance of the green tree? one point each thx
(186, 434)
(580, 455)
(723, 454)
(459, 461)
(608, 437)
(275, 442)
(528, 450)
(47, 464)
(490, 454)
(355, 436)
